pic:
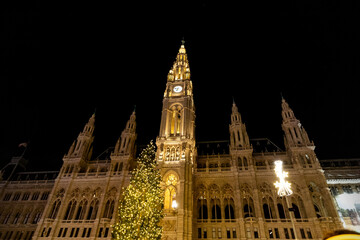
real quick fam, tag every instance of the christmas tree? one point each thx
(141, 207)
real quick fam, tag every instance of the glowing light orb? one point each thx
(174, 204)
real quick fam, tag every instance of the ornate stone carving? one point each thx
(169, 225)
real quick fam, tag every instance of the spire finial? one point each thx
(233, 100)
(134, 108)
(183, 41)
(282, 97)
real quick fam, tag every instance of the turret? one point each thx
(295, 134)
(239, 138)
(126, 142)
(82, 147)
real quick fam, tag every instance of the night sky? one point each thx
(62, 60)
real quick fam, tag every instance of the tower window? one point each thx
(16, 197)
(309, 235)
(170, 191)
(7, 197)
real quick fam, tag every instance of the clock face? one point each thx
(177, 89)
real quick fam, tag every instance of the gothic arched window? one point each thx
(281, 211)
(268, 206)
(109, 209)
(215, 209)
(229, 208)
(93, 209)
(121, 167)
(203, 210)
(170, 191)
(16, 218)
(55, 209)
(267, 211)
(80, 214)
(37, 216)
(317, 210)
(26, 218)
(296, 211)
(248, 208)
(239, 162)
(245, 162)
(70, 210)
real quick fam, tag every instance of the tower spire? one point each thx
(125, 144)
(238, 134)
(295, 134)
(82, 147)
(180, 69)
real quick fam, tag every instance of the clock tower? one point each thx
(176, 149)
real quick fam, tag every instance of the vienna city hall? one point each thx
(213, 190)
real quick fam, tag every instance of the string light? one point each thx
(141, 208)
(283, 186)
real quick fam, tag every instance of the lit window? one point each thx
(170, 192)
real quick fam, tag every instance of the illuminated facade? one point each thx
(343, 178)
(213, 190)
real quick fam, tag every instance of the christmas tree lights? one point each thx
(141, 207)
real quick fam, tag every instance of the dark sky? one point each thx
(61, 60)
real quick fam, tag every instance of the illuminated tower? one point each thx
(296, 139)
(295, 134)
(300, 151)
(176, 148)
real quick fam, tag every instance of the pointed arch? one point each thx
(281, 211)
(239, 162)
(171, 180)
(202, 209)
(227, 191)
(248, 209)
(70, 210)
(298, 206)
(54, 209)
(202, 202)
(109, 209)
(296, 211)
(246, 164)
(214, 191)
(93, 209)
(229, 208)
(80, 213)
(268, 208)
(215, 208)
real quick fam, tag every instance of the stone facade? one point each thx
(213, 190)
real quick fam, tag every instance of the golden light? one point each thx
(174, 204)
(283, 186)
